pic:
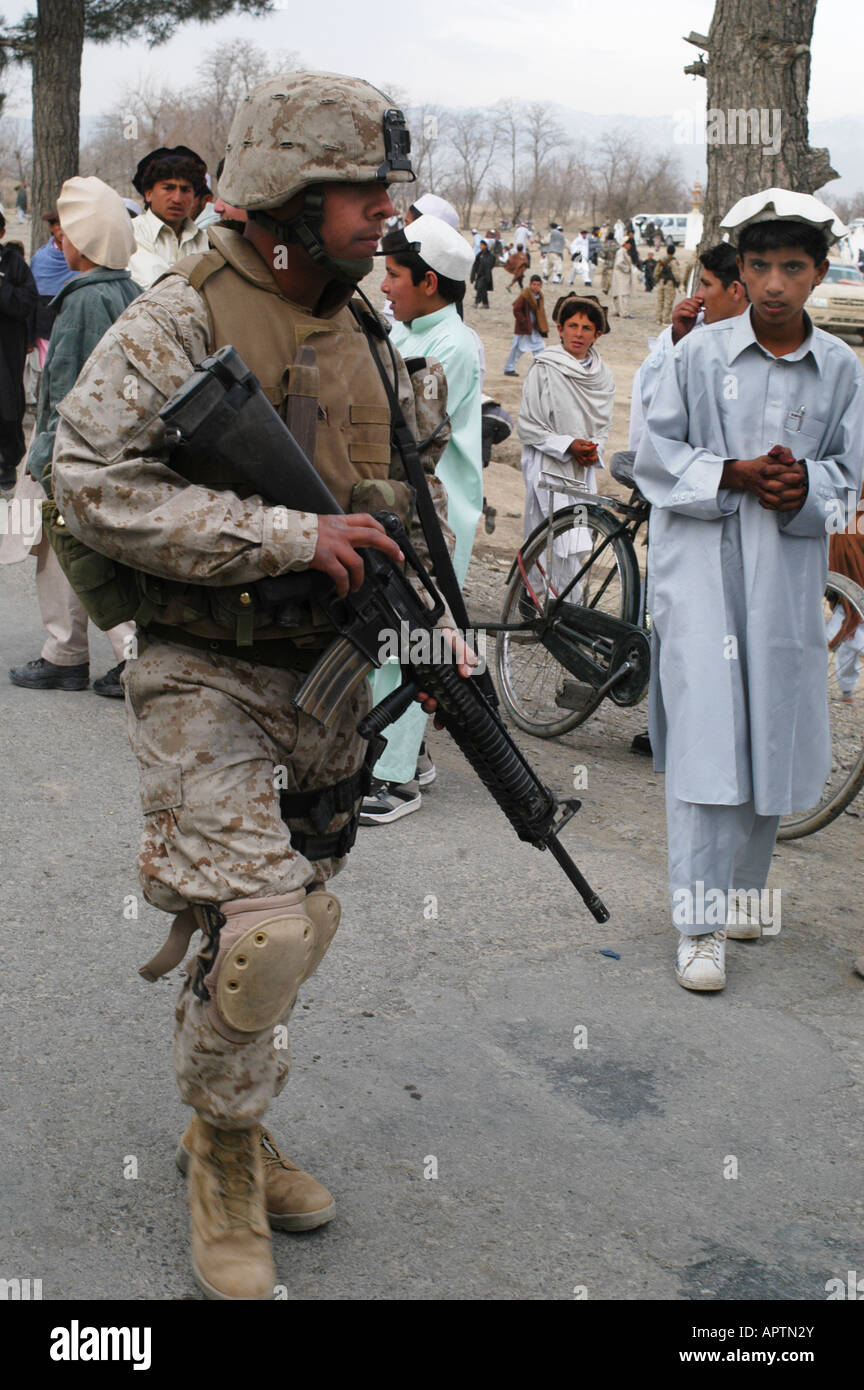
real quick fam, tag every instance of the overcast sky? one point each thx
(591, 55)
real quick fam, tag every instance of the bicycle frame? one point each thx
(596, 648)
(627, 529)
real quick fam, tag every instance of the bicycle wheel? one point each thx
(846, 718)
(530, 678)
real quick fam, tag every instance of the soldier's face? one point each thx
(228, 210)
(354, 216)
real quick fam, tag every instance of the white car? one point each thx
(838, 303)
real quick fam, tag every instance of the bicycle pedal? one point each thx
(574, 695)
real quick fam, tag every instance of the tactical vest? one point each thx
(350, 446)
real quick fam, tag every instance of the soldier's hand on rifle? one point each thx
(339, 539)
(464, 658)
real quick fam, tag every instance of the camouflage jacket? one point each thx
(111, 472)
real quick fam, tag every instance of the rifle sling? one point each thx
(442, 564)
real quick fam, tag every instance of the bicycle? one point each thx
(557, 657)
(846, 719)
(568, 639)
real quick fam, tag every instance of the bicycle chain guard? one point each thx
(634, 648)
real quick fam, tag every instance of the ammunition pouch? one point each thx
(107, 589)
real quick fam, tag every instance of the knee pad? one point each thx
(267, 948)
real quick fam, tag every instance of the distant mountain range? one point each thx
(843, 136)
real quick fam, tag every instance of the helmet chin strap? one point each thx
(305, 229)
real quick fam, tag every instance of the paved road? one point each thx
(451, 1038)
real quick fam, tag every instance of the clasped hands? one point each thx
(584, 451)
(778, 480)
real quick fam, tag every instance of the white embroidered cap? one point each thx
(442, 248)
(782, 205)
(430, 205)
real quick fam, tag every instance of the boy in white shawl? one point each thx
(564, 420)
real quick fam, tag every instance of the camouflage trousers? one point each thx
(210, 733)
(665, 302)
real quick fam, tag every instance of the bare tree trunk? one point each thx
(758, 80)
(56, 103)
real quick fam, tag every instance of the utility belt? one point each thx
(285, 653)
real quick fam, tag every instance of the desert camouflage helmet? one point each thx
(307, 128)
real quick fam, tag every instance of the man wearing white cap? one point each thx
(430, 205)
(754, 432)
(97, 240)
(426, 268)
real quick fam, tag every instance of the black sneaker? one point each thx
(389, 801)
(642, 744)
(44, 675)
(109, 684)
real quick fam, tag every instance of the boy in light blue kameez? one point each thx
(754, 435)
(426, 269)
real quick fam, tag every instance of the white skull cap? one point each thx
(96, 222)
(782, 205)
(430, 205)
(442, 248)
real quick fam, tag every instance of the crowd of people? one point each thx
(102, 251)
(170, 556)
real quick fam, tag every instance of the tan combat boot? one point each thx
(293, 1199)
(230, 1238)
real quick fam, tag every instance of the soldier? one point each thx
(668, 277)
(607, 259)
(209, 697)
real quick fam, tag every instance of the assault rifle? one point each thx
(220, 414)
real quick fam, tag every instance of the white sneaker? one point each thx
(743, 927)
(741, 923)
(700, 962)
(426, 770)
